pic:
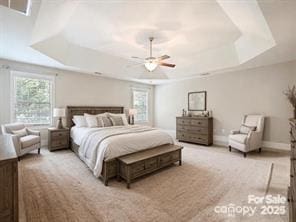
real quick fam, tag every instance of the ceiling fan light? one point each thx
(150, 66)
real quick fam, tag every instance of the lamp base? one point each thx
(131, 120)
(60, 124)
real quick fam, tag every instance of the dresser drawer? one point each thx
(151, 164)
(137, 169)
(293, 135)
(192, 129)
(61, 134)
(293, 152)
(181, 121)
(203, 139)
(193, 122)
(59, 143)
(195, 138)
(165, 160)
(199, 122)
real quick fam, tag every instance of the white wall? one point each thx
(73, 89)
(230, 96)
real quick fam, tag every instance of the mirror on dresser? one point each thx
(197, 101)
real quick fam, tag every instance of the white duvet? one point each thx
(99, 144)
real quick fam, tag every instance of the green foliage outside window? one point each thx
(32, 102)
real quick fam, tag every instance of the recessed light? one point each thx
(204, 74)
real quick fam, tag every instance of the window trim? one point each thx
(51, 78)
(148, 103)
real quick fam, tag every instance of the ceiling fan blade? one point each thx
(163, 57)
(134, 65)
(136, 57)
(167, 64)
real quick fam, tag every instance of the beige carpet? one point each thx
(59, 187)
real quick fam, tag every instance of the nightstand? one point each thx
(58, 138)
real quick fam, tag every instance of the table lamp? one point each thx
(59, 113)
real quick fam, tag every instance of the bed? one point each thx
(99, 148)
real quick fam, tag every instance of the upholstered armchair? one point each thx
(250, 135)
(24, 139)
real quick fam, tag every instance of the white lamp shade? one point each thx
(150, 66)
(59, 112)
(132, 112)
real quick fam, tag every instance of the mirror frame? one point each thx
(205, 104)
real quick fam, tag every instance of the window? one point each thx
(32, 98)
(140, 103)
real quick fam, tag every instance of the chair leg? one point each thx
(260, 150)
(229, 148)
(39, 151)
(245, 155)
(19, 158)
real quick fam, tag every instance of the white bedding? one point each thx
(99, 144)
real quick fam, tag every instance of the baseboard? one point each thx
(275, 145)
(43, 142)
(223, 141)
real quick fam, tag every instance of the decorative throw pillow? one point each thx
(106, 121)
(244, 129)
(100, 121)
(122, 115)
(116, 120)
(79, 121)
(20, 133)
(91, 120)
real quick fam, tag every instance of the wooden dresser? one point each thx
(195, 130)
(292, 188)
(8, 181)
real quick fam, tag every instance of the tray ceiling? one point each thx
(101, 36)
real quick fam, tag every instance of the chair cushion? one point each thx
(244, 129)
(29, 140)
(240, 138)
(21, 132)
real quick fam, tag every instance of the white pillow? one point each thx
(102, 114)
(244, 129)
(20, 133)
(100, 122)
(79, 121)
(122, 115)
(91, 120)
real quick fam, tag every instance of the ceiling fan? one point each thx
(151, 62)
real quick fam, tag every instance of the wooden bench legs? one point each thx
(105, 173)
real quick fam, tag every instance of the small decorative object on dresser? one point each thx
(196, 129)
(58, 138)
(8, 181)
(292, 187)
(59, 113)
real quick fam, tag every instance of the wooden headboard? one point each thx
(80, 110)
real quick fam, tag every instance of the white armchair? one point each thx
(252, 140)
(22, 143)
